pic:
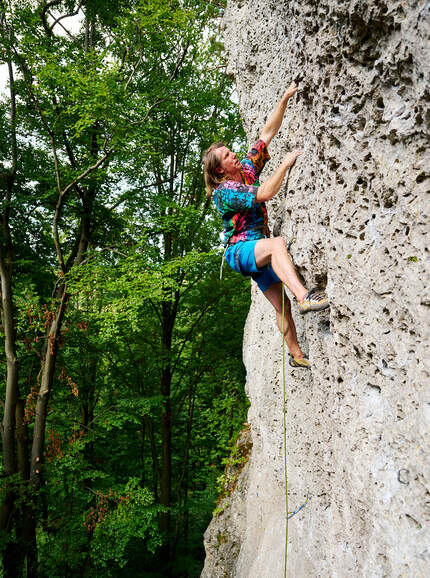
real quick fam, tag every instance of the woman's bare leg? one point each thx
(274, 295)
(274, 251)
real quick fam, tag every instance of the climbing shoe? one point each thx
(298, 362)
(314, 301)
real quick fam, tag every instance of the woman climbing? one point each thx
(240, 199)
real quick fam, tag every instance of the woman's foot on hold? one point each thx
(299, 362)
(314, 300)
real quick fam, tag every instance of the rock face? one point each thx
(357, 200)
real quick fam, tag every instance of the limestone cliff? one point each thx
(358, 201)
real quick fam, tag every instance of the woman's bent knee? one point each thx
(279, 244)
(266, 248)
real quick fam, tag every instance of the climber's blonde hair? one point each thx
(210, 164)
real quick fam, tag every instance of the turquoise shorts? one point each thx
(241, 259)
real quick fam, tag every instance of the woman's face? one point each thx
(229, 163)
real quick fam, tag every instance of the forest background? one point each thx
(123, 382)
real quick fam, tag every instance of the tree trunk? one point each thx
(48, 369)
(166, 432)
(142, 452)
(13, 461)
(166, 451)
(11, 399)
(183, 480)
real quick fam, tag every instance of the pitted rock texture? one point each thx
(357, 202)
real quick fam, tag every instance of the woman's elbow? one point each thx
(266, 136)
(263, 195)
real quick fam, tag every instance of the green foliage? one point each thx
(233, 464)
(148, 327)
(125, 517)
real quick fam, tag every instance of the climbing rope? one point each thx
(284, 404)
(284, 409)
(288, 514)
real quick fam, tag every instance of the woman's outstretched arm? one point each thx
(273, 123)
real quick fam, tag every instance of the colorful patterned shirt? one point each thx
(245, 219)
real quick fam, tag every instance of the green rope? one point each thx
(284, 410)
(288, 514)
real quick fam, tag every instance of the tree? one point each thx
(102, 133)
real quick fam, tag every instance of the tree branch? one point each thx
(43, 9)
(87, 171)
(156, 103)
(65, 16)
(156, 310)
(187, 337)
(130, 78)
(14, 148)
(125, 195)
(180, 61)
